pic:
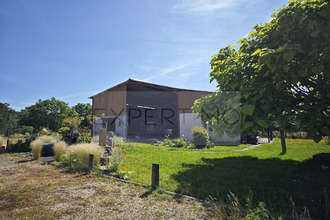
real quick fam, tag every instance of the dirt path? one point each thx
(29, 189)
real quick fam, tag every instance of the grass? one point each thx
(36, 147)
(82, 151)
(59, 150)
(272, 177)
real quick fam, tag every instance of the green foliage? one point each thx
(64, 131)
(87, 138)
(201, 137)
(85, 111)
(26, 129)
(69, 160)
(20, 146)
(8, 119)
(272, 177)
(177, 142)
(282, 71)
(46, 113)
(115, 160)
(118, 141)
(259, 213)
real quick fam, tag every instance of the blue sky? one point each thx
(74, 49)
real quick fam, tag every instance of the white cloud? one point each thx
(75, 95)
(206, 5)
(168, 71)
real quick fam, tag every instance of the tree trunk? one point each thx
(283, 141)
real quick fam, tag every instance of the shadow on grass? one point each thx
(272, 181)
(24, 161)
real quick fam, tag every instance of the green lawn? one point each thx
(271, 177)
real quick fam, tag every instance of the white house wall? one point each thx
(190, 120)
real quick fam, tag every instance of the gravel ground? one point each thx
(31, 190)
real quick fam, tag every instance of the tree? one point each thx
(8, 119)
(46, 113)
(85, 111)
(282, 71)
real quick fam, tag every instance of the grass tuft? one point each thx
(1, 141)
(59, 149)
(36, 147)
(82, 151)
(47, 139)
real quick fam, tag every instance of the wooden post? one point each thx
(7, 144)
(90, 161)
(155, 176)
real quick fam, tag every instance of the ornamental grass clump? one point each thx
(59, 150)
(47, 139)
(82, 151)
(1, 141)
(36, 145)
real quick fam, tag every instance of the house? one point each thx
(139, 109)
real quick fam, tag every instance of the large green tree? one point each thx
(8, 119)
(282, 71)
(84, 110)
(46, 113)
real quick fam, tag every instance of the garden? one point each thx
(259, 178)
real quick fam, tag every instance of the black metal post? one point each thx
(155, 176)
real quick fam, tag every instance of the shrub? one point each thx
(70, 161)
(59, 150)
(64, 131)
(26, 129)
(88, 138)
(36, 147)
(118, 141)
(20, 146)
(20, 136)
(95, 139)
(82, 151)
(115, 160)
(44, 131)
(201, 137)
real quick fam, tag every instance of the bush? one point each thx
(115, 160)
(59, 150)
(118, 141)
(26, 129)
(20, 136)
(20, 146)
(88, 138)
(177, 142)
(70, 161)
(201, 137)
(82, 151)
(64, 131)
(36, 147)
(44, 131)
